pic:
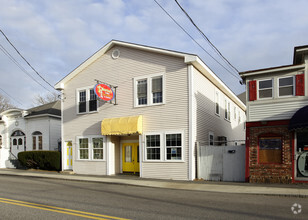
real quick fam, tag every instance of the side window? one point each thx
(227, 109)
(265, 89)
(211, 138)
(217, 107)
(286, 86)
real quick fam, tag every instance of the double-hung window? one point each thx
(149, 90)
(153, 147)
(157, 89)
(91, 148)
(286, 86)
(86, 100)
(227, 109)
(265, 89)
(142, 94)
(174, 146)
(217, 107)
(164, 146)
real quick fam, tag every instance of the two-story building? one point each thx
(157, 104)
(37, 128)
(277, 121)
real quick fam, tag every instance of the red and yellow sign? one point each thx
(104, 92)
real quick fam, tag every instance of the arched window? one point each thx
(14, 141)
(37, 140)
(18, 133)
(19, 141)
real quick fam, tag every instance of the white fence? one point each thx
(221, 163)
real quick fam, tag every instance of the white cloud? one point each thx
(56, 36)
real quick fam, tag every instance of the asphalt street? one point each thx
(42, 198)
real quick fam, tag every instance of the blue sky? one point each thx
(56, 36)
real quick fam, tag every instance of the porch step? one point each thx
(15, 164)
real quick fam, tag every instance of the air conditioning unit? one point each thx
(222, 141)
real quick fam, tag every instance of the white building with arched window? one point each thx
(38, 128)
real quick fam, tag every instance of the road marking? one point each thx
(59, 209)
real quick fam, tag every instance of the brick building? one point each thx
(277, 122)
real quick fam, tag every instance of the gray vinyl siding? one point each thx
(173, 115)
(205, 118)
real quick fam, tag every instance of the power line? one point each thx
(236, 76)
(11, 96)
(205, 37)
(19, 66)
(25, 59)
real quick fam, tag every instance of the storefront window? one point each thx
(270, 149)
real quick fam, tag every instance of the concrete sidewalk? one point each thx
(296, 190)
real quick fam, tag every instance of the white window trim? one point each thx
(217, 99)
(228, 108)
(182, 147)
(37, 141)
(163, 147)
(149, 90)
(90, 144)
(211, 133)
(87, 89)
(258, 81)
(278, 86)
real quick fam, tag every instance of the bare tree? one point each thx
(5, 103)
(44, 99)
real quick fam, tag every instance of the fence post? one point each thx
(198, 160)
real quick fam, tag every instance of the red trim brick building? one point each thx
(277, 122)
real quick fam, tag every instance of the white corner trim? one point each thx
(190, 123)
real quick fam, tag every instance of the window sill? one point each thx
(88, 160)
(84, 113)
(163, 161)
(149, 105)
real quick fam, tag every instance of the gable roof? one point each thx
(188, 59)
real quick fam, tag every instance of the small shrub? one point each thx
(44, 160)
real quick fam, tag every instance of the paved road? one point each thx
(40, 198)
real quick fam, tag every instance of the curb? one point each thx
(215, 188)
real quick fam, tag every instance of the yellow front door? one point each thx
(130, 157)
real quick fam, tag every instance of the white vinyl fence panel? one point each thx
(221, 163)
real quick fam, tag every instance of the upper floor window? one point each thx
(227, 109)
(149, 90)
(0, 141)
(217, 108)
(286, 86)
(87, 100)
(265, 89)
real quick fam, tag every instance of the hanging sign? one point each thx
(104, 92)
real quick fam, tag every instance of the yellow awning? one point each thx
(122, 126)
